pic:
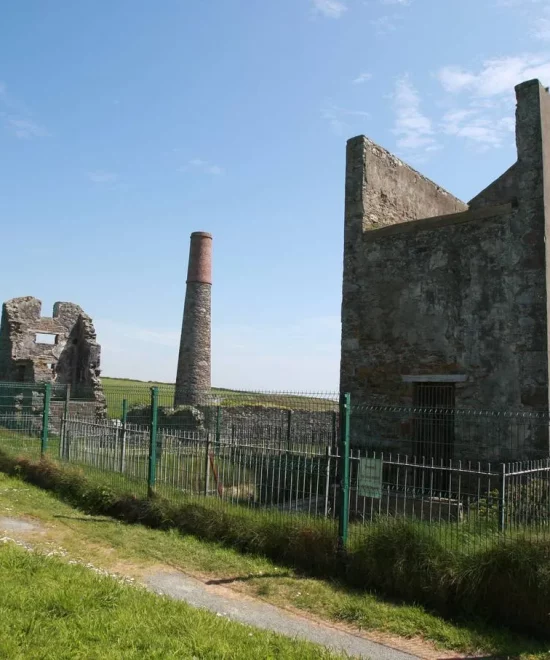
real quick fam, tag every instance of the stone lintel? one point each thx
(435, 378)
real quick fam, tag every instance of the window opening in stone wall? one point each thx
(21, 373)
(45, 338)
(434, 424)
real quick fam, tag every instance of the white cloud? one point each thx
(101, 176)
(384, 24)
(25, 129)
(329, 8)
(484, 132)
(302, 355)
(202, 166)
(413, 129)
(483, 100)
(362, 78)
(454, 79)
(403, 3)
(337, 116)
(496, 76)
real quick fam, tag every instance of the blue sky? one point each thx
(125, 125)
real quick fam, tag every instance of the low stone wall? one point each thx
(183, 418)
(274, 426)
(264, 425)
(84, 410)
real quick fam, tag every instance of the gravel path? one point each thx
(16, 525)
(228, 603)
(262, 615)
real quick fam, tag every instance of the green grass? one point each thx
(139, 393)
(107, 542)
(50, 610)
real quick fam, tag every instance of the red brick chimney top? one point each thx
(200, 258)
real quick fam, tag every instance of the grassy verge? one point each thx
(108, 542)
(50, 610)
(139, 393)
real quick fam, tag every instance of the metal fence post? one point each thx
(289, 431)
(502, 500)
(152, 476)
(64, 421)
(327, 483)
(45, 418)
(343, 514)
(123, 435)
(218, 424)
(207, 465)
(67, 454)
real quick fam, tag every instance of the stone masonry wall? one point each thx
(255, 425)
(462, 294)
(194, 354)
(73, 358)
(270, 426)
(504, 189)
(381, 191)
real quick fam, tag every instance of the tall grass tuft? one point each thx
(508, 583)
(400, 559)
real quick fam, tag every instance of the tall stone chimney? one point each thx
(193, 377)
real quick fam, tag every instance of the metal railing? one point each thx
(332, 460)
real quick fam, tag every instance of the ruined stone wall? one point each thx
(71, 358)
(270, 426)
(84, 410)
(462, 294)
(439, 302)
(23, 358)
(255, 425)
(381, 190)
(504, 189)
(531, 92)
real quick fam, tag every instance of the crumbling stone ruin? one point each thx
(445, 304)
(61, 349)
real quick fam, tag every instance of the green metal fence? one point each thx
(325, 458)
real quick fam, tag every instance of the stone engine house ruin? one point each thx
(61, 349)
(446, 304)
